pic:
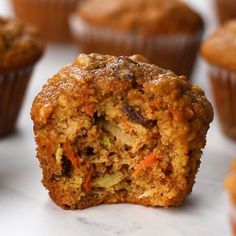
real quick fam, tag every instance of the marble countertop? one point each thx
(25, 208)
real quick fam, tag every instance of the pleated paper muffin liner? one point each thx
(13, 86)
(176, 52)
(50, 16)
(223, 83)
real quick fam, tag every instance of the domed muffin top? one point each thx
(220, 48)
(145, 17)
(20, 44)
(91, 79)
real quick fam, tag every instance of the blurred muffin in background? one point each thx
(226, 10)
(50, 16)
(20, 48)
(167, 32)
(220, 52)
(230, 184)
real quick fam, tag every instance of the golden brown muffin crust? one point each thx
(103, 75)
(20, 44)
(117, 129)
(220, 48)
(145, 17)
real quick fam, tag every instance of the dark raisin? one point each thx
(66, 166)
(111, 154)
(125, 168)
(134, 115)
(168, 170)
(95, 116)
(151, 123)
(127, 148)
(89, 151)
(109, 169)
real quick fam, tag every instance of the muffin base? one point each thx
(226, 10)
(176, 53)
(13, 86)
(51, 17)
(223, 85)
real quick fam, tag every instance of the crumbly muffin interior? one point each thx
(120, 152)
(126, 142)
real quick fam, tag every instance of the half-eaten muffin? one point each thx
(118, 129)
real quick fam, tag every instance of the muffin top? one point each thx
(145, 17)
(20, 44)
(230, 182)
(220, 48)
(91, 79)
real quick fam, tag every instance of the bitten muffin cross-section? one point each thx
(118, 129)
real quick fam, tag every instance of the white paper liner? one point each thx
(221, 73)
(13, 86)
(223, 84)
(179, 50)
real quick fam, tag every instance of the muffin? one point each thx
(117, 129)
(167, 32)
(226, 10)
(230, 184)
(20, 48)
(50, 16)
(219, 50)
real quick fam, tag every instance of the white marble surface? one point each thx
(25, 208)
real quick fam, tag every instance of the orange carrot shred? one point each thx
(72, 156)
(87, 180)
(144, 164)
(89, 109)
